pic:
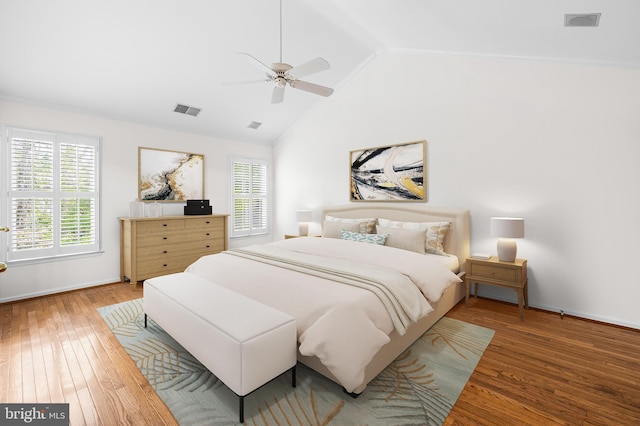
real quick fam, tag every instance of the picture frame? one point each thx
(170, 176)
(389, 173)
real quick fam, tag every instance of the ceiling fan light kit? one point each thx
(281, 74)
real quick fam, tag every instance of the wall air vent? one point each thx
(254, 125)
(581, 19)
(188, 110)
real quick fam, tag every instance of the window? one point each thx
(52, 194)
(250, 197)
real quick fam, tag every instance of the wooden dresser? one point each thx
(150, 247)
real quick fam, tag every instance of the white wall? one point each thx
(120, 142)
(555, 143)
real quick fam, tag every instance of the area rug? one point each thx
(418, 388)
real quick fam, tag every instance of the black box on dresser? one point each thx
(197, 207)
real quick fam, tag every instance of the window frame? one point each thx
(252, 231)
(59, 250)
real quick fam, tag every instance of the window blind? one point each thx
(250, 197)
(53, 197)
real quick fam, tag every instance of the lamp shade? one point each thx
(507, 227)
(304, 216)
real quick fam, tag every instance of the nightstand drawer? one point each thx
(493, 272)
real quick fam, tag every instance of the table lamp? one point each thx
(506, 229)
(303, 218)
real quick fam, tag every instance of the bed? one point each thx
(350, 333)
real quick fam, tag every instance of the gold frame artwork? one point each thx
(389, 173)
(170, 176)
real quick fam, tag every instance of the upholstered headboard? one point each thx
(457, 241)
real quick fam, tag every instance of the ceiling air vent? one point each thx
(581, 19)
(254, 125)
(186, 109)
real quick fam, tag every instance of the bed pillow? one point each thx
(332, 225)
(406, 239)
(363, 238)
(434, 237)
(332, 229)
(368, 227)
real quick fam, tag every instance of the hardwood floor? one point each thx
(543, 371)
(549, 370)
(58, 349)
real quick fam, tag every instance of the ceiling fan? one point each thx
(282, 74)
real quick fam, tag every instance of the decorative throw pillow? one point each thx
(406, 239)
(363, 238)
(332, 229)
(348, 220)
(435, 233)
(368, 227)
(332, 225)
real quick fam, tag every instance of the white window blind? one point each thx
(250, 197)
(53, 197)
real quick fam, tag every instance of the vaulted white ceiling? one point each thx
(135, 60)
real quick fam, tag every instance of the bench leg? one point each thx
(145, 320)
(241, 409)
(293, 376)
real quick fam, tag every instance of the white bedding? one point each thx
(342, 325)
(450, 261)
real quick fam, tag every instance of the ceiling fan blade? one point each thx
(278, 95)
(256, 63)
(310, 87)
(313, 66)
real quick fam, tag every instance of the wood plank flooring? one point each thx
(549, 370)
(546, 370)
(58, 349)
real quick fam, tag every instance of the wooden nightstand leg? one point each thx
(467, 284)
(526, 294)
(520, 304)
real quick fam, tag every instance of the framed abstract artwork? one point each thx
(389, 173)
(170, 175)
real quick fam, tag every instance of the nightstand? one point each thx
(503, 274)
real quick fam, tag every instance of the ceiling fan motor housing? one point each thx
(281, 78)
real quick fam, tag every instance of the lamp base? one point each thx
(507, 249)
(303, 229)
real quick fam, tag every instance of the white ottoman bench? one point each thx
(241, 341)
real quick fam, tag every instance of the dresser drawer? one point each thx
(161, 238)
(169, 265)
(155, 268)
(166, 251)
(493, 272)
(153, 226)
(205, 222)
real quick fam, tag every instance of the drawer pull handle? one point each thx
(164, 224)
(208, 234)
(165, 252)
(164, 238)
(208, 222)
(208, 246)
(164, 264)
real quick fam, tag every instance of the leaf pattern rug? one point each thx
(418, 388)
